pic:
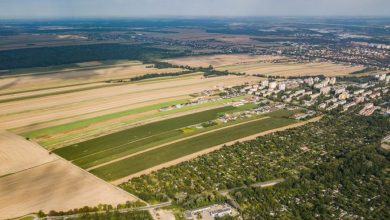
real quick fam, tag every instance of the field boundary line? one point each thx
(30, 168)
(172, 142)
(209, 150)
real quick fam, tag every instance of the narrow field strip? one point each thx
(171, 152)
(175, 141)
(145, 143)
(17, 72)
(113, 140)
(57, 93)
(89, 121)
(208, 150)
(104, 128)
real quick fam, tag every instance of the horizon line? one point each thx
(189, 17)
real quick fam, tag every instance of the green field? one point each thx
(140, 133)
(155, 139)
(167, 153)
(115, 146)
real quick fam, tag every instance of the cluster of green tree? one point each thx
(209, 124)
(270, 77)
(321, 77)
(99, 208)
(163, 65)
(157, 75)
(362, 79)
(207, 71)
(322, 152)
(131, 215)
(365, 70)
(321, 40)
(351, 185)
(51, 56)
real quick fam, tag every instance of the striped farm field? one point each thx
(138, 148)
(137, 163)
(107, 147)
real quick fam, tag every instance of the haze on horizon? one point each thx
(154, 8)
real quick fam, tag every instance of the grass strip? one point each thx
(168, 153)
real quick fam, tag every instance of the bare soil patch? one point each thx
(34, 180)
(17, 154)
(56, 185)
(77, 76)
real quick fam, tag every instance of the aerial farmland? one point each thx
(117, 130)
(194, 118)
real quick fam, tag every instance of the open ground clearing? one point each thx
(266, 65)
(32, 179)
(17, 154)
(180, 149)
(293, 69)
(56, 185)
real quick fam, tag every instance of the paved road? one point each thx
(259, 184)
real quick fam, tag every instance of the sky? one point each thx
(190, 8)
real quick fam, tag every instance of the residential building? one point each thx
(325, 90)
(272, 85)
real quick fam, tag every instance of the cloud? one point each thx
(144, 8)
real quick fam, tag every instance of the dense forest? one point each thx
(51, 56)
(87, 211)
(132, 215)
(332, 169)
